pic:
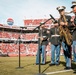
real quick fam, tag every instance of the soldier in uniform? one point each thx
(54, 39)
(64, 21)
(74, 30)
(44, 43)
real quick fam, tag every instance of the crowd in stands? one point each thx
(12, 49)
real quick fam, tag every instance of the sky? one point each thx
(19, 10)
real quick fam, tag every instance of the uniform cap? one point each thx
(61, 8)
(73, 4)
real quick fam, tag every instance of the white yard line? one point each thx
(58, 71)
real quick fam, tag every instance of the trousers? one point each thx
(74, 50)
(43, 53)
(55, 48)
(67, 54)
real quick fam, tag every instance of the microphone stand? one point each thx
(19, 42)
(39, 45)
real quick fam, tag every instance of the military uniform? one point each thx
(55, 45)
(66, 47)
(74, 32)
(44, 43)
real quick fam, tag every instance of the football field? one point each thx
(27, 66)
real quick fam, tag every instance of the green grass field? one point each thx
(9, 66)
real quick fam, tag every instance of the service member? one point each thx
(74, 30)
(44, 42)
(65, 21)
(55, 45)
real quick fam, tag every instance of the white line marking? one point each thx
(59, 71)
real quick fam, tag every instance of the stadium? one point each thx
(20, 21)
(10, 47)
(10, 35)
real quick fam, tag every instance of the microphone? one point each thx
(55, 21)
(23, 27)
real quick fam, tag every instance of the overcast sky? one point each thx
(29, 9)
